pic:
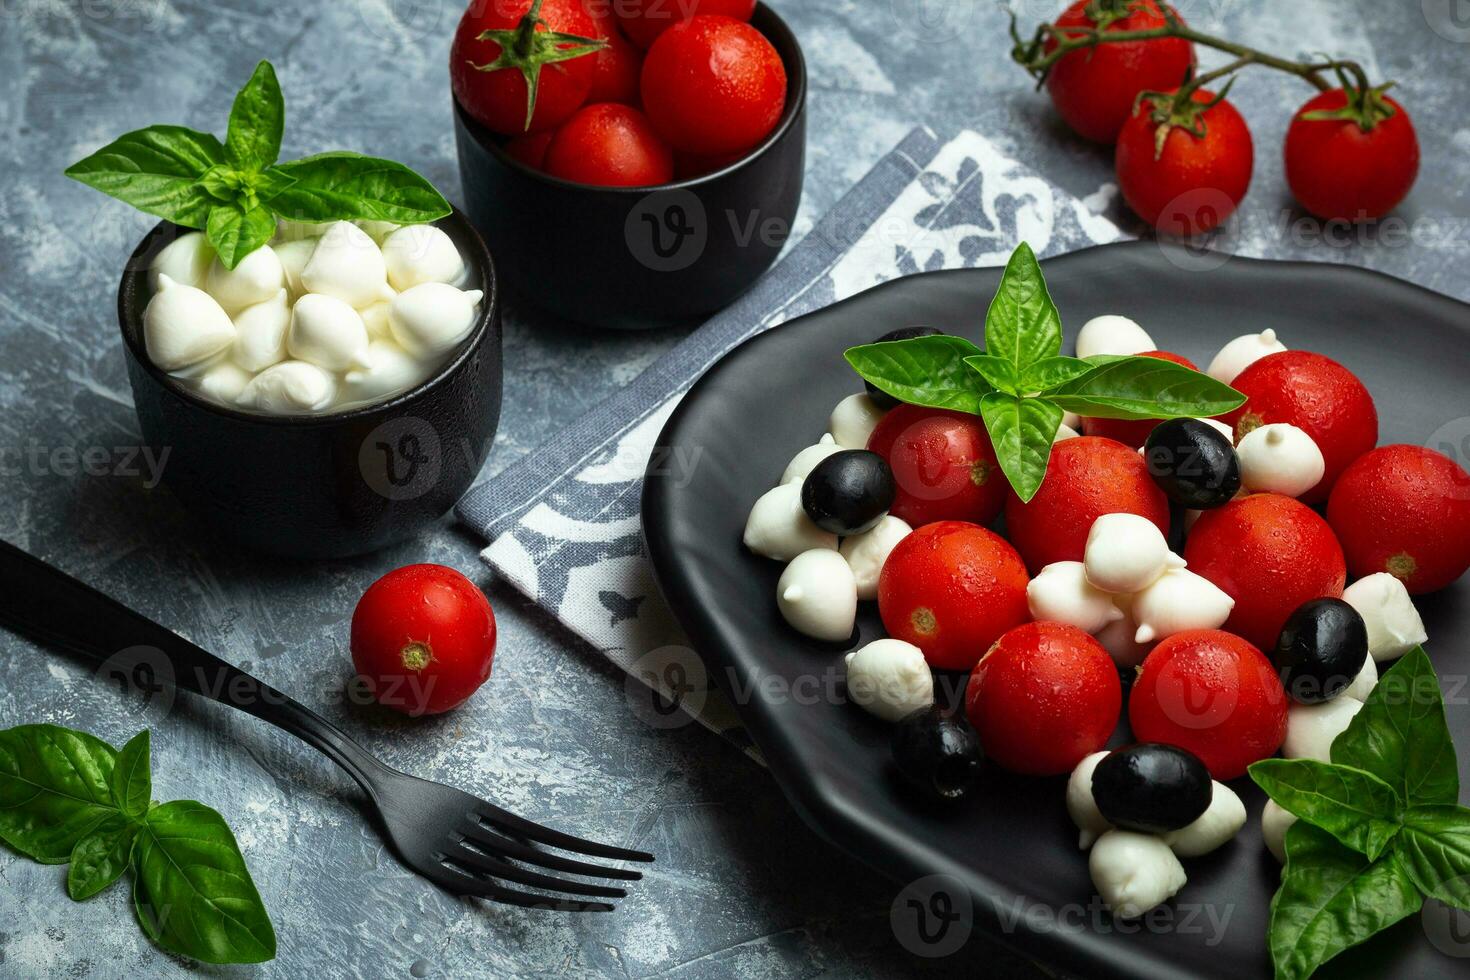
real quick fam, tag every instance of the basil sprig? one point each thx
(67, 797)
(234, 191)
(1379, 828)
(1021, 384)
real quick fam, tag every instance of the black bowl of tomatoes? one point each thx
(660, 169)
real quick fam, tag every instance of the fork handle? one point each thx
(44, 603)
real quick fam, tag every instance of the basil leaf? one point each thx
(235, 233)
(191, 889)
(1145, 388)
(53, 789)
(928, 371)
(1000, 373)
(1401, 737)
(343, 186)
(100, 858)
(1332, 898)
(257, 120)
(1051, 372)
(1435, 847)
(132, 778)
(1356, 807)
(155, 170)
(1022, 324)
(1022, 431)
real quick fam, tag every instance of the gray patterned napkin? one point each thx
(564, 522)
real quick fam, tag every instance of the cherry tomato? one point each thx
(713, 85)
(1337, 170)
(530, 148)
(943, 463)
(1132, 433)
(619, 65)
(644, 20)
(1196, 183)
(423, 638)
(1093, 89)
(497, 99)
(610, 145)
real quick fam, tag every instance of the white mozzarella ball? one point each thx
(328, 333)
(348, 265)
(1279, 458)
(260, 333)
(1112, 334)
(223, 382)
(1134, 872)
(294, 255)
(1072, 421)
(1241, 353)
(389, 370)
(1180, 600)
(185, 260)
(853, 421)
(805, 461)
(1221, 428)
(1311, 728)
(183, 325)
(375, 318)
(889, 678)
(1081, 807)
(1061, 593)
(1365, 682)
(421, 253)
(290, 231)
(1220, 822)
(290, 388)
(1065, 431)
(1126, 553)
(377, 230)
(779, 528)
(1276, 820)
(1118, 638)
(432, 318)
(817, 595)
(867, 552)
(254, 279)
(1394, 625)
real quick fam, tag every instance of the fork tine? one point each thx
(461, 883)
(479, 834)
(521, 827)
(489, 865)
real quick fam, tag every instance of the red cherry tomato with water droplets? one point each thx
(616, 75)
(609, 145)
(943, 464)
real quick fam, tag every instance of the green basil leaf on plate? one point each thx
(235, 233)
(343, 186)
(1052, 372)
(1435, 848)
(132, 777)
(155, 170)
(257, 120)
(928, 371)
(998, 372)
(1022, 324)
(1356, 807)
(191, 889)
(54, 789)
(100, 858)
(1022, 431)
(1145, 388)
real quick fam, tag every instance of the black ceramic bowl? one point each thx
(637, 257)
(322, 486)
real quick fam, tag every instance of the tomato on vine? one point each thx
(1351, 154)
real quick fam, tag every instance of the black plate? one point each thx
(1013, 847)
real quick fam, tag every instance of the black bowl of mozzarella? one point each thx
(334, 393)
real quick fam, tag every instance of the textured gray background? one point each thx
(741, 887)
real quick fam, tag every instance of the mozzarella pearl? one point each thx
(817, 595)
(779, 528)
(183, 325)
(375, 318)
(890, 679)
(1134, 872)
(223, 382)
(1180, 600)
(418, 254)
(254, 279)
(853, 421)
(260, 333)
(289, 231)
(432, 318)
(1126, 553)
(1118, 639)
(1365, 682)
(1279, 458)
(1311, 728)
(294, 255)
(185, 260)
(1061, 593)
(1072, 421)
(1241, 353)
(348, 265)
(389, 369)
(328, 333)
(1081, 807)
(377, 230)
(290, 388)
(1211, 829)
(1112, 334)
(805, 461)
(867, 552)
(1221, 428)
(1065, 431)
(1394, 625)
(1276, 820)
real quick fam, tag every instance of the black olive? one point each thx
(882, 398)
(848, 492)
(1193, 463)
(1322, 648)
(1151, 787)
(938, 752)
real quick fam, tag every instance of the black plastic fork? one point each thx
(461, 843)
